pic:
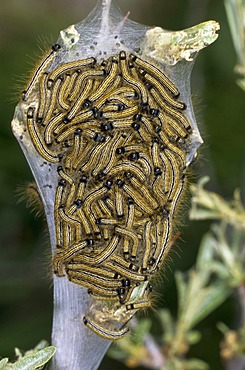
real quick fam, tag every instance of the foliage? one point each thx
(33, 359)
(235, 10)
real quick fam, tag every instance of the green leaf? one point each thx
(200, 214)
(206, 252)
(35, 360)
(196, 364)
(193, 337)
(180, 364)
(168, 325)
(214, 298)
(223, 328)
(181, 289)
(42, 344)
(221, 270)
(3, 363)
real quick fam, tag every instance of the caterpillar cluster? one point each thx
(118, 134)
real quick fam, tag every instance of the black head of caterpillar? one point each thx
(120, 140)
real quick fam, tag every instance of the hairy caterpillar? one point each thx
(40, 69)
(120, 136)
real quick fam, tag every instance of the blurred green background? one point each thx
(25, 273)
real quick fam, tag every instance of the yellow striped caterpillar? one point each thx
(120, 135)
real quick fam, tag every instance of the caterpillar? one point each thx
(40, 70)
(119, 133)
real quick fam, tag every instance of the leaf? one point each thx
(221, 270)
(35, 360)
(193, 336)
(42, 344)
(196, 364)
(206, 252)
(214, 298)
(168, 325)
(197, 298)
(182, 364)
(181, 289)
(200, 214)
(223, 328)
(3, 363)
